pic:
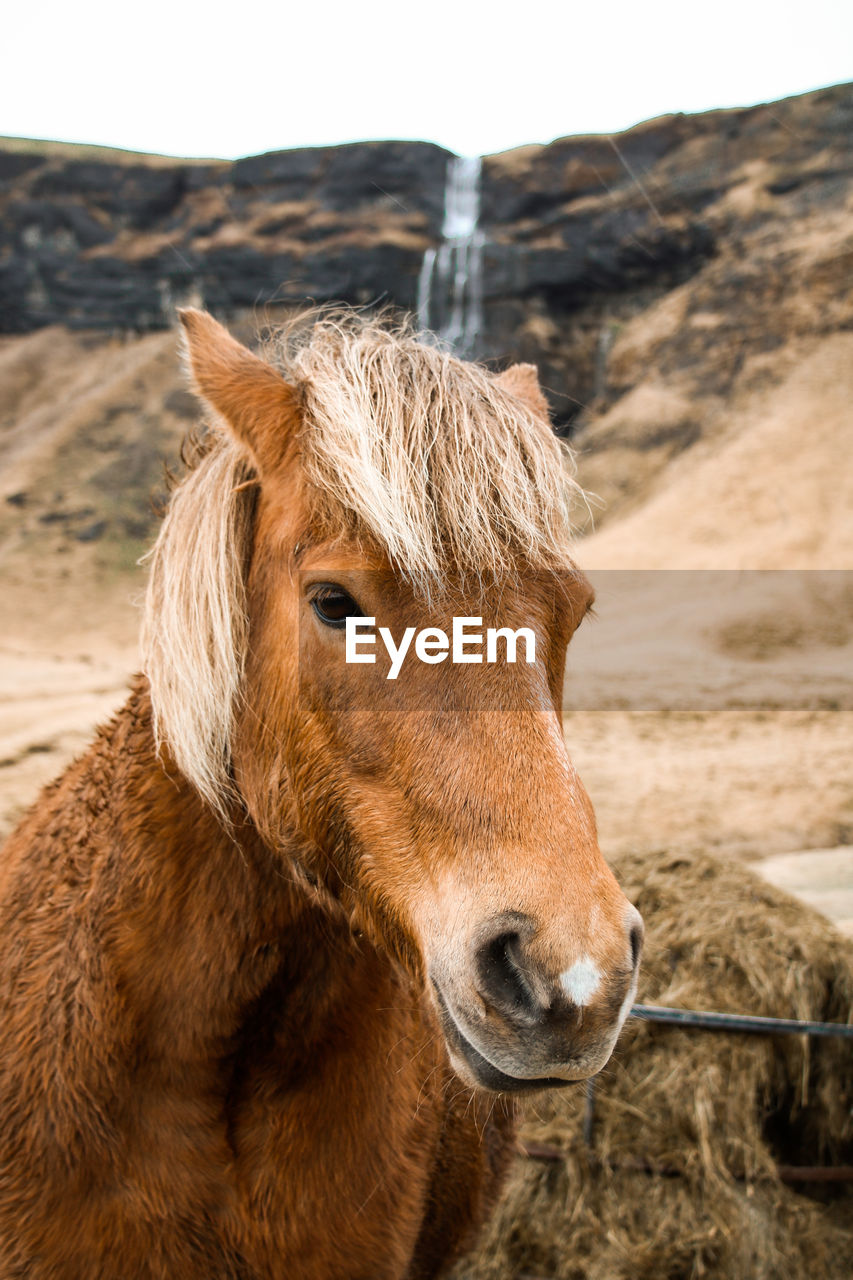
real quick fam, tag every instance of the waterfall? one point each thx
(450, 286)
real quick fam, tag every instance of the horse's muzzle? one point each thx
(485, 1073)
(513, 1026)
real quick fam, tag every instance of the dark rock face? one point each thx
(584, 234)
(579, 234)
(115, 245)
(137, 195)
(610, 254)
(403, 175)
(14, 163)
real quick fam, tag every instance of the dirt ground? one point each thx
(50, 702)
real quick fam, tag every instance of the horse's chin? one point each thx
(474, 1069)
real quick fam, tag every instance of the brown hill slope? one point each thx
(767, 485)
(87, 422)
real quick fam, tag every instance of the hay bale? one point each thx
(681, 1179)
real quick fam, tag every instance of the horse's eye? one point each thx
(333, 606)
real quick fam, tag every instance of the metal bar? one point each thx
(541, 1151)
(815, 1173)
(739, 1022)
(785, 1172)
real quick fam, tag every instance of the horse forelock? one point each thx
(423, 455)
(430, 456)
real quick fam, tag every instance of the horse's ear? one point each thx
(253, 399)
(522, 381)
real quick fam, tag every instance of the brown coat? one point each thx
(203, 1072)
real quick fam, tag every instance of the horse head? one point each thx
(378, 477)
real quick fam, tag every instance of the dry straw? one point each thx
(681, 1179)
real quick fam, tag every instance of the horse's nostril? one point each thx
(636, 944)
(501, 976)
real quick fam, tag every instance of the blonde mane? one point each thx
(428, 456)
(441, 465)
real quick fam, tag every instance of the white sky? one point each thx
(232, 79)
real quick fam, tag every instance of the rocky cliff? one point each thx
(98, 244)
(579, 236)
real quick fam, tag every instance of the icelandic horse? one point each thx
(280, 949)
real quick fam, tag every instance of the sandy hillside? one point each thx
(705, 710)
(770, 489)
(85, 425)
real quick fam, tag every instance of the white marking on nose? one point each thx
(580, 982)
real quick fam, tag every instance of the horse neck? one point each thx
(196, 921)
